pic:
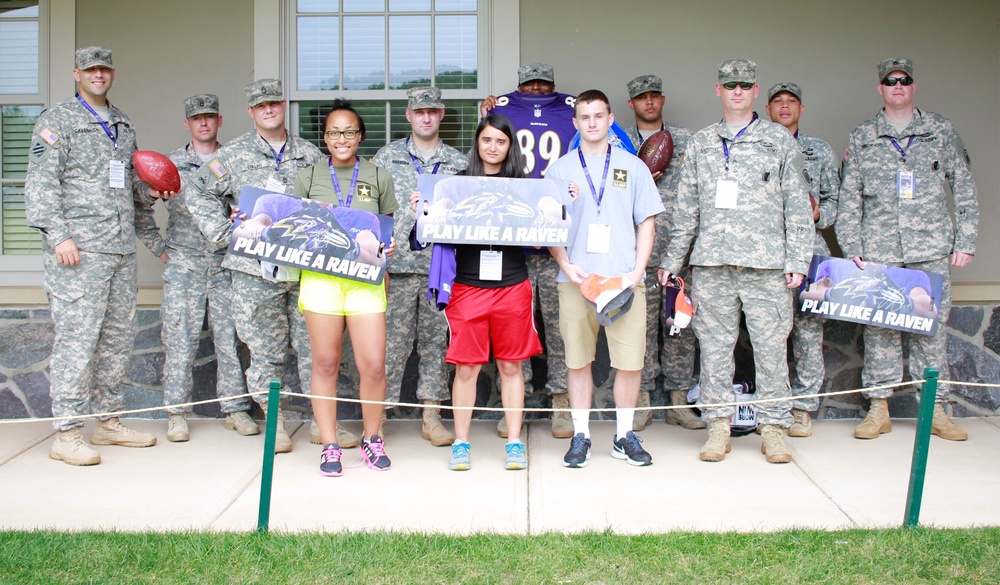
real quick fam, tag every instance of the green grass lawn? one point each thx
(905, 556)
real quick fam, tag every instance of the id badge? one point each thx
(490, 265)
(905, 184)
(116, 174)
(726, 191)
(598, 238)
(274, 185)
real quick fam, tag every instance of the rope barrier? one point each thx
(481, 408)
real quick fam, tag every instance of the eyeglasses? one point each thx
(891, 81)
(744, 85)
(336, 134)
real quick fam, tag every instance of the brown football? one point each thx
(657, 150)
(156, 170)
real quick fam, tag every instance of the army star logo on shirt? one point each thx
(620, 178)
(364, 191)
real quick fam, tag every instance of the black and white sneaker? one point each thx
(579, 452)
(630, 449)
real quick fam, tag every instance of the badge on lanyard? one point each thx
(490, 265)
(116, 174)
(905, 184)
(726, 194)
(274, 185)
(598, 238)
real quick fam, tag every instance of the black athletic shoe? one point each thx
(630, 449)
(579, 452)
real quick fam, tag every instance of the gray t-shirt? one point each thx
(630, 196)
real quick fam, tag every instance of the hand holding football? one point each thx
(156, 170)
(657, 150)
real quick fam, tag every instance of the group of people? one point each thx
(730, 214)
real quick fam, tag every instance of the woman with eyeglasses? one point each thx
(490, 307)
(330, 303)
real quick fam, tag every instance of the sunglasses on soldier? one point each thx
(891, 81)
(744, 85)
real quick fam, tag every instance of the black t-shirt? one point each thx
(514, 269)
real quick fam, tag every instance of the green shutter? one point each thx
(16, 124)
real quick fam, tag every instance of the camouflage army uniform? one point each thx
(193, 278)
(877, 225)
(676, 355)
(67, 195)
(542, 271)
(739, 256)
(409, 316)
(266, 312)
(807, 330)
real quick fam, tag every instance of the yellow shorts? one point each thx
(330, 295)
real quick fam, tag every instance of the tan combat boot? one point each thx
(113, 432)
(642, 418)
(772, 444)
(432, 429)
(345, 438)
(562, 422)
(502, 427)
(177, 428)
(802, 425)
(70, 448)
(946, 428)
(877, 421)
(717, 446)
(242, 423)
(683, 417)
(282, 442)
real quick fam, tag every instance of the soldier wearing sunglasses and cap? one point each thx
(898, 169)
(81, 193)
(743, 213)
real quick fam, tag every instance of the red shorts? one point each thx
(503, 316)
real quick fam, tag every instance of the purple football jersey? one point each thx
(544, 126)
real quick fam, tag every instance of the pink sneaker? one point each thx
(373, 452)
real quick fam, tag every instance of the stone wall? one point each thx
(26, 340)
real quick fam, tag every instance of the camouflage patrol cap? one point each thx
(263, 91)
(424, 98)
(644, 83)
(737, 70)
(203, 103)
(887, 66)
(787, 86)
(539, 71)
(90, 57)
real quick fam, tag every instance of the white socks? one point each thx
(623, 421)
(581, 421)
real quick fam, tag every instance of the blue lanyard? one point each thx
(107, 130)
(277, 155)
(639, 134)
(902, 151)
(725, 147)
(336, 183)
(598, 196)
(416, 161)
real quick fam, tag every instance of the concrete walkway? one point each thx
(213, 483)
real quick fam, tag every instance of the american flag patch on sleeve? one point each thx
(48, 136)
(218, 169)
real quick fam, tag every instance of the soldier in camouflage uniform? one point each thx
(266, 311)
(880, 222)
(784, 106)
(409, 316)
(675, 358)
(193, 281)
(743, 204)
(81, 194)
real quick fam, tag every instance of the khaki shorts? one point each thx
(579, 328)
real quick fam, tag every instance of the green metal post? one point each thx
(267, 472)
(921, 445)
